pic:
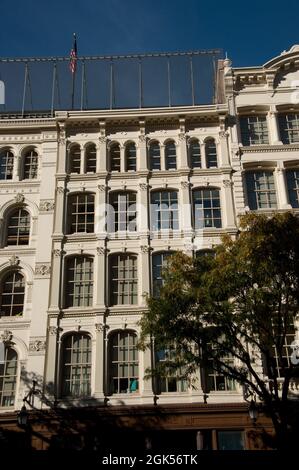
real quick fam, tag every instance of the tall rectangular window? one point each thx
(289, 128)
(123, 280)
(207, 209)
(261, 192)
(81, 213)
(254, 130)
(169, 382)
(76, 371)
(122, 213)
(123, 362)
(164, 210)
(293, 187)
(79, 279)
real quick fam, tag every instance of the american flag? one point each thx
(73, 56)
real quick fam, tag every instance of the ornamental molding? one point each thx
(145, 249)
(14, 260)
(46, 206)
(19, 198)
(103, 140)
(227, 183)
(42, 269)
(270, 148)
(185, 184)
(223, 134)
(57, 253)
(6, 336)
(101, 327)
(101, 250)
(60, 189)
(143, 186)
(37, 345)
(182, 137)
(53, 330)
(101, 187)
(142, 138)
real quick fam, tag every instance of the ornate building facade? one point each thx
(91, 205)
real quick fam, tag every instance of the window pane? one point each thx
(211, 154)
(154, 154)
(124, 279)
(81, 213)
(30, 165)
(18, 228)
(230, 440)
(164, 210)
(115, 158)
(79, 273)
(254, 130)
(130, 155)
(261, 192)
(6, 165)
(76, 365)
(207, 210)
(170, 156)
(123, 362)
(8, 377)
(12, 294)
(75, 159)
(195, 157)
(91, 159)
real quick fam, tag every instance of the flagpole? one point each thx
(73, 89)
(73, 63)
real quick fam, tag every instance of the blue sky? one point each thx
(250, 32)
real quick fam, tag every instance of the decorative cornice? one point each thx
(19, 198)
(270, 148)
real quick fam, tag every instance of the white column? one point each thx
(56, 279)
(122, 159)
(162, 156)
(100, 278)
(100, 211)
(59, 210)
(82, 160)
(51, 352)
(145, 274)
(228, 205)
(282, 195)
(185, 212)
(102, 155)
(274, 137)
(143, 210)
(142, 154)
(183, 153)
(99, 360)
(146, 384)
(16, 167)
(203, 155)
(223, 146)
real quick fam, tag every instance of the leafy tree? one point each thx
(240, 304)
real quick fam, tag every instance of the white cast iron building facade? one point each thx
(73, 283)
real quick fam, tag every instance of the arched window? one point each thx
(130, 157)
(115, 157)
(12, 294)
(18, 227)
(123, 279)
(75, 159)
(8, 377)
(159, 262)
(123, 362)
(30, 165)
(211, 153)
(122, 212)
(164, 210)
(81, 213)
(207, 209)
(76, 365)
(91, 159)
(6, 164)
(194, 154)
(154, 155)
(170, 156)
(79, 281)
